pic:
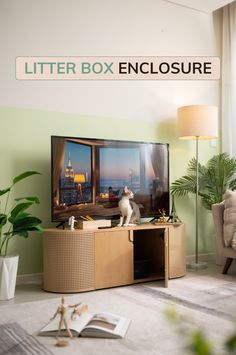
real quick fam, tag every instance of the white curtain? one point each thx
(229, 79)
(58, 159)
(159, 158)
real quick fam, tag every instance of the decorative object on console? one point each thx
(173, 217)
(72, 222)
(197, 122)
(162, 218)
(90, 224)
(129, 209)
(14, 222)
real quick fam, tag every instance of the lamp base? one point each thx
(197, 266)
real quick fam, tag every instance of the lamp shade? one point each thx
(79, 178)
(198, 121)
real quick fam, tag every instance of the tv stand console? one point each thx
(83, 260)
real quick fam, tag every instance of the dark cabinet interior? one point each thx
(149, 254)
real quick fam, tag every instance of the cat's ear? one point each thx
(126, 189)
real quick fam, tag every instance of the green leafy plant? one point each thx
(215, 178)
(16, 221)
(196, 341)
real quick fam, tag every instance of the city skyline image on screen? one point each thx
(88, 176)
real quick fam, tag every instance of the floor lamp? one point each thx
(197, 122)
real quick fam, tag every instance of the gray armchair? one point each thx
(228, 252)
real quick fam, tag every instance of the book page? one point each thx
(104, 320)
(76, 324)
(102, 324)
(108, 323)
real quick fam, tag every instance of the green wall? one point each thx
(25, 145)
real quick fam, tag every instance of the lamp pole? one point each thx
(196, 212)
(197, 264)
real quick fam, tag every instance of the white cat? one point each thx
(128, 209)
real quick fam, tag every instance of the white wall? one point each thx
(104, 28)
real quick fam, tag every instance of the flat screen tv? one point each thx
(88, 176)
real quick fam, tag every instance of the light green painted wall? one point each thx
(25, 145)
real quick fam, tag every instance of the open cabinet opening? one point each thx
(149, 254)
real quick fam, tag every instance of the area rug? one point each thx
(146, 306)
(218, 300)
(14, 340)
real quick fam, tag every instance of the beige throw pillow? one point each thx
(229, 228)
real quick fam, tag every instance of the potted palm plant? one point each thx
(215, 178)
(14, 221)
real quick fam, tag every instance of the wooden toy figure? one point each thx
(62, 311)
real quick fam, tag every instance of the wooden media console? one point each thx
(80, 260)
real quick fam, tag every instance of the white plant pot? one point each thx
(8, 272)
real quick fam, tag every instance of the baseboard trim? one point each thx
(201, 257)
(29, 279)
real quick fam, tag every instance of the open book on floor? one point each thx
(99, 325)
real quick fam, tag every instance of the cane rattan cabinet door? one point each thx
(68, 261)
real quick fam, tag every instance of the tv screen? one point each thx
(88, 176)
